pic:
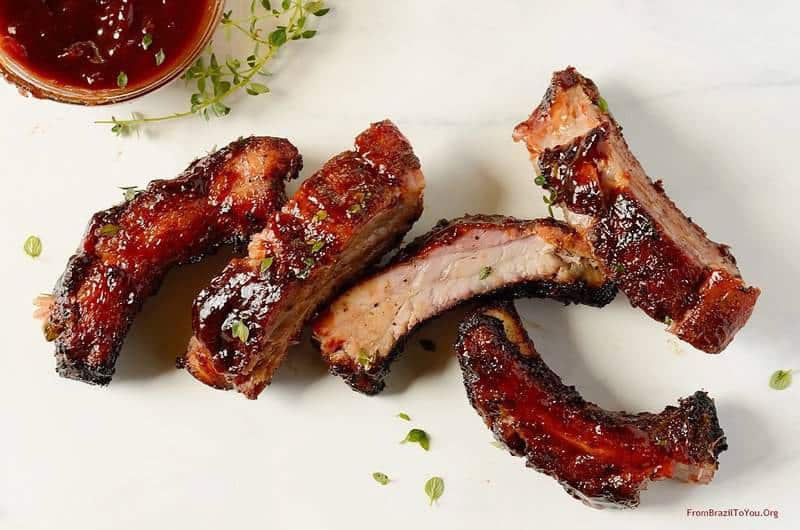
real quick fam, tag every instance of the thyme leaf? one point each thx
(33, 246)
(780, 379)
(434, 488)
(418, 436)
(381, 478)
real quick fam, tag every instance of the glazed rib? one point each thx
(341, 220)
(602, 458)
(127, 249)
(364, 329)
(661, 260)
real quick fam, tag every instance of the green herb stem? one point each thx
(204, 103)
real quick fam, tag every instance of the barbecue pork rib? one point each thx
(126, 250)
(340, 221)
(602, 458)
(365, 328)
(661, 260)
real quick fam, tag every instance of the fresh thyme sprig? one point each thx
(216, 81)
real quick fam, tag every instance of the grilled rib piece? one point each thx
(661, 260)
(365, 328)
(602, 458)
(341, 220)
(127, 249)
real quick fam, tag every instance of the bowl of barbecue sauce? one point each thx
(93, 52)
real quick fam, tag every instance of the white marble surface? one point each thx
(707, 93)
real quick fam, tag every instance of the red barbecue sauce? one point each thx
(87, 43)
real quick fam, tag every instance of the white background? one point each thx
(708, 95)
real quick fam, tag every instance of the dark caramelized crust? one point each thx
(363, 330)
(600, 457)
(340, 221)
(127, 249)
(662, 261)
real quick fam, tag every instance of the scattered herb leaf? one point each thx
(122, 79)
(780, 379)
(427, 344)
(364, 359)
(316, 246)
(619, 268)
(33, 246)
(321, 215)
(129, 192)
(434, 488)
(484, 273)
(603, 104)
(239, 330)
(147, 40)
(266, 263)
(404, 416)
(306, 271)
(418, 436)
(108, 230)
(214, 81)
(354, 209)
(380, 478)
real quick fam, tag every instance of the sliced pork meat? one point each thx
(661, 260)
(127, 250)
(602, 458)
(340, 221)
(364, 329)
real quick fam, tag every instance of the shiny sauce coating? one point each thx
(87, 44)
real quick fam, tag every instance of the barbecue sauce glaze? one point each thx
(87, 43)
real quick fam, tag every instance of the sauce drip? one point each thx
(87, 43)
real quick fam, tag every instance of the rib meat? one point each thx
(364, 329)
(602, 458)
(661, 260)
(127, 249)
(341, 220)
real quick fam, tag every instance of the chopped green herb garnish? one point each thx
(434, 488)
(129, 192)
(108, 230)
(122, 79)
(354, 208)
(418, 436)
(266, 263)
(484, 273)
(33, 246)
(619, 268)
(316, 246)
(780, 379)
(321, 215)
(602, 104)
(266, 28)
(364, 359)
(309, 263)
(380, 478)
(404, 416)
(239, 330)
(427, 344)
